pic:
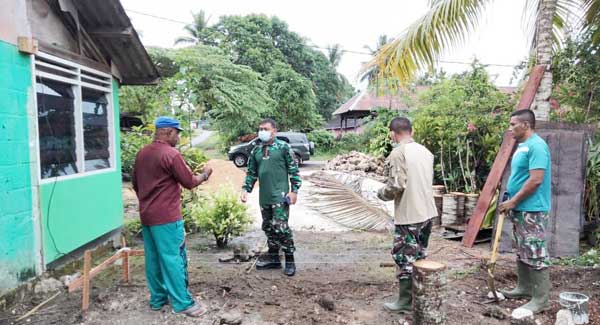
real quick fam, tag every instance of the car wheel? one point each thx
(240, 160)
(298, 160)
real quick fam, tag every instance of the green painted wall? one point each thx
(17, 242)
(77, 211)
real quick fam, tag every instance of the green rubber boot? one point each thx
(523, 289)
(404, 302)
(540, 283)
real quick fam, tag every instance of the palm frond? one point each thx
(591, 19)
(446, 24)
(348, 200)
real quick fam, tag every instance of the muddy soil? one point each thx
(341, 267)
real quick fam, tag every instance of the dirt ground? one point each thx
(334, 265)
(342, 267)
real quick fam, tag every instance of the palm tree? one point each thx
(334, 54)
(196, 30)
(372, 72)
(448, 22)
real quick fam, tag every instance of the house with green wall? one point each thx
(61, 65)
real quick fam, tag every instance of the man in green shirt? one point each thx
(272, 164)
(529, 191)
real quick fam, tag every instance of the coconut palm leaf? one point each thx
(343, 200)
(447, 24)
(591, 19)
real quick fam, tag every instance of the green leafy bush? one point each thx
(132, 228)
(323, 139)
(221, 214)
(195, 158)
(352, 142)
(131, 143)
(461, 121)
(378, 132)
(592, 188)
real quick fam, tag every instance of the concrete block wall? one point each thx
(18, 261)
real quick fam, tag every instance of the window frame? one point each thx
(78, 72)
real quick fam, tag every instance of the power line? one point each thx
(158, 17)
(321, 47)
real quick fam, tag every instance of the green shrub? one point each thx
(195, 158)
(132, 228)
(131, 143)
(188, 200)
(352, 142)
(323, 139)
(592, 179)
(221, 214)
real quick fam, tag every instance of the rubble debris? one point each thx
(522, 316)
(358, 163)
(495, 312)
(231, 318)
(48, 285)
(326, 302)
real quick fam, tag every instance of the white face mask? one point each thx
(264, 135)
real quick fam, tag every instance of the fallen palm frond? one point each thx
(348, 200)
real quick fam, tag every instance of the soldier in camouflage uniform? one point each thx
(272, 164)
(529, 191)
(409, 169)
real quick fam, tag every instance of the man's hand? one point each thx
(507, 205)
(293, 197)
(208, 171)
(244, 196)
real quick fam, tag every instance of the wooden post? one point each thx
(87, 264)
(125, 266)
(429, 293)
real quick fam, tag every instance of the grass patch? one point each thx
(589, 258)
(464, 273)
(323, 156)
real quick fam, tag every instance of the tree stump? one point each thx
(429, 292)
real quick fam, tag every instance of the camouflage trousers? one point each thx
(410, 243)
(529, 231)
(275, 225)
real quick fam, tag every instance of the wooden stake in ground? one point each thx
(85, 294)
(429, 292)
(491, 265)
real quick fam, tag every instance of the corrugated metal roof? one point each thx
(112, 31)
(368, 100)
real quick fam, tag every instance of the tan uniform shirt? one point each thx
(410, 179)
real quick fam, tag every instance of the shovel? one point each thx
(491, 265)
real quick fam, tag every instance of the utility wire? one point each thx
(321, 47)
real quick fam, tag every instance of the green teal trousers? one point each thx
(166, 266)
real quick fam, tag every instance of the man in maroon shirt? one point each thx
(158, 174)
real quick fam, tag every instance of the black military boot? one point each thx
(290, 266)
(269, 260)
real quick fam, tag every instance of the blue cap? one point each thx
(167, 122)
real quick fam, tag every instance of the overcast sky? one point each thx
(500, 39)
